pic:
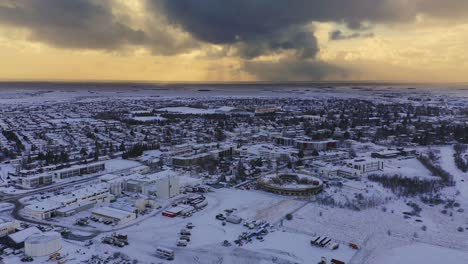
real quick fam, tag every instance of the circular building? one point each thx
(42, 244)
(292, 184)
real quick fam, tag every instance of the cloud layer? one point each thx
(250, 29)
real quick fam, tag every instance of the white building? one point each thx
(48, 208)
(7, 228)
(164, 184)
(79, 170)
(116, 215)
(367, 165)
(42, 244)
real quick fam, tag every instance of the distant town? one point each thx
(194, 175)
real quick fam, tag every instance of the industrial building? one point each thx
(16, 240)
(115, 215)
(164, 184)
(70, 203)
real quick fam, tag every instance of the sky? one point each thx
(234, 40)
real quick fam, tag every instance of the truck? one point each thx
(165, 253)
(233, 219)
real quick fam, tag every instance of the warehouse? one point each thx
(42, 244)
(42, 210)
(16, 240)
(116, 215)
(76, 208)
(48, 208)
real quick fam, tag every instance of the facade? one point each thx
(167, 187)
(316, 145)
(79, 170)
(365, 166)
(164, 184)
(7, 228)
(116, 215)
(36, 181)
(74, 209)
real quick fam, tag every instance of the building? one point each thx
(75, 208)
(164, 184)
(364, 165)
(42, 244)
(291, 184)
(42, 210)
(167, 187)
(189, 160)
(114, 182)
(16, 240)
(76, 200)
(36, 181)
(79, 170)
(316, 145)
(7, 228)
(115, 215)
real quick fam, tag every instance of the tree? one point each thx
(346, 135)
(122, 147)
(219, 134)
(241, 176)
(64, 157)
(300, 154)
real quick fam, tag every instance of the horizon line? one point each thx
(157, 82)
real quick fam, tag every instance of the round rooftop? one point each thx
(41, 238)
(291, 183)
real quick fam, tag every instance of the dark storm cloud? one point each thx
(299, 40)
(294, 70)
(263, 26)
(340, 35)
(70, 23)
(229, 21)
(257, 23)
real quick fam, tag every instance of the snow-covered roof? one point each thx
(20, 236)
(111, 212)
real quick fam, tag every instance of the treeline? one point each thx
(402, 186)
(52, 158)
(436, 170)
(460, 161)
(137, 150)
(11, 136)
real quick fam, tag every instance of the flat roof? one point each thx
(20, 236)
(112, 212)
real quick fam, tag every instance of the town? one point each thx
(292, 175)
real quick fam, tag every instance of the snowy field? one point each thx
(280, 246)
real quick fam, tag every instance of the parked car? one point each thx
(181, 243)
